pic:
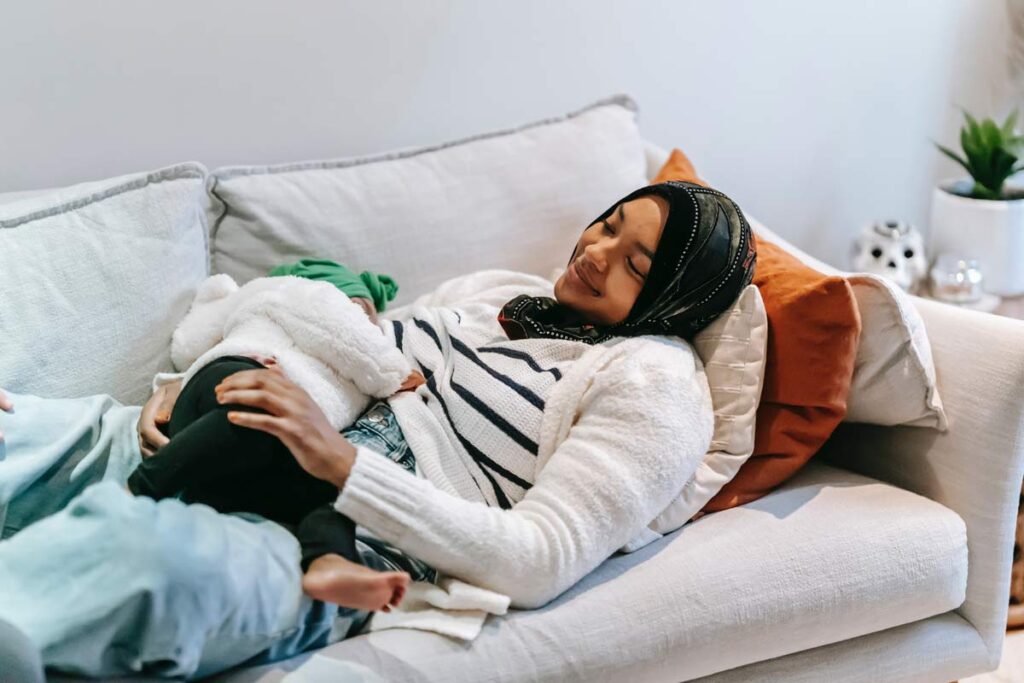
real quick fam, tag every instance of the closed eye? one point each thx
(607, 227)
(636, 270)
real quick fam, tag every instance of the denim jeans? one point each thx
(109, 584)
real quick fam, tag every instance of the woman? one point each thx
(549, 433)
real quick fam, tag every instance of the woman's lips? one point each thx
(578, 279)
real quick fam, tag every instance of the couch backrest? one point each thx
(96, 276)
(514, 199)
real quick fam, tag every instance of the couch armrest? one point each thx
(975, 468)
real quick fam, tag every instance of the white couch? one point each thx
(886, 559)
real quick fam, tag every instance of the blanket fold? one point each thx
(451, 607)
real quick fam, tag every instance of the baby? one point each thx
(231, 468)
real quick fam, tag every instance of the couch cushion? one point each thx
(515, 200)
(894, 381)
(94, 279)
(830, 555)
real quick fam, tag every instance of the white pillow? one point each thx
(894, 379)
(894, 375)
(94, 279)
(514, 200)
(733, 349)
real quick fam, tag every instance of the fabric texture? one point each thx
(813, 332)
(733, 350)
(451, 607)
(211, 461)
(773, 575)
(510, 199)
(321, 339)
(706, 255)
(941, 648)
(975, 467)
(593, 472)
(197, 592)
(377, 287)
(677, 167)
(894, 381)
(476, 425)
(114, 262)
(894, 378)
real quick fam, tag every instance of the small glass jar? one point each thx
(956, 279)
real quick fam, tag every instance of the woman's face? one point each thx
(613, 258)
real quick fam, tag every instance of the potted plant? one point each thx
(981, 216)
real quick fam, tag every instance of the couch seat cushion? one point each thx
(828, 556)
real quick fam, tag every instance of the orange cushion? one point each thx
(678, 167)
(813, 332)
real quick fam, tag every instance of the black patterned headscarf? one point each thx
(705, 257)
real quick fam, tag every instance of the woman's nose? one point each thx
(596, 255)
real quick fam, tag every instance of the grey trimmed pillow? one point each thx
(94, 279)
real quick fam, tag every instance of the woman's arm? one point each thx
(643, 428)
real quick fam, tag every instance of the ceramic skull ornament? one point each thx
(892, 249)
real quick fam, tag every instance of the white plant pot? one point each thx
(991, 231)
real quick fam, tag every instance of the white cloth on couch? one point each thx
(321, 339)
(449, 607)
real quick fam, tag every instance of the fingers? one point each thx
(254, 398)
(163, 413)
(153, 437)
(267, 378)
(146, 450)
(263, 422)
(5, 403)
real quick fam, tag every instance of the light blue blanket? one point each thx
(108, 584)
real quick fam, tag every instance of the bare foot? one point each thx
(334, 579)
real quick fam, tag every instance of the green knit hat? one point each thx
(377, 287)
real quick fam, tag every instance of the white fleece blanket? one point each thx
(321, 339)
(324, 343)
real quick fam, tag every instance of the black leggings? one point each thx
(231, 468)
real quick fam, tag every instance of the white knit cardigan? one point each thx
(622, 433)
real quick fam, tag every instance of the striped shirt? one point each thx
(484, 393)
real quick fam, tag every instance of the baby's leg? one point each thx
(204, 445)
(331, 564)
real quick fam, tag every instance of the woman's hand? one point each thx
(156, 413)
(293, 417)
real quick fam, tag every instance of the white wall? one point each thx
(815, 116)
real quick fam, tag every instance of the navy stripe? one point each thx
(425, 326)
(521, 356)
(495, 419)
(398, 333)
(475, 452)
(533, 398)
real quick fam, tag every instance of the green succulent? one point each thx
(992, 152)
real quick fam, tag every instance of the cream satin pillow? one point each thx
(733, 349)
